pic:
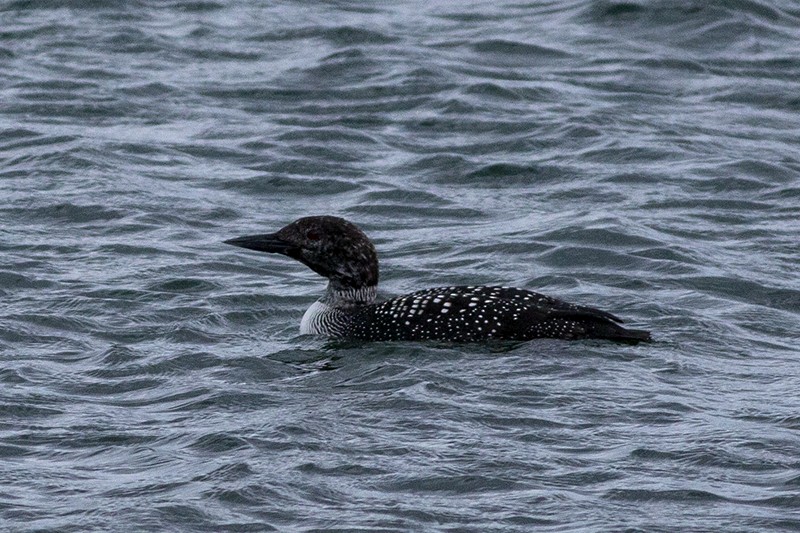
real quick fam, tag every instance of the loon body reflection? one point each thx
(338, 250)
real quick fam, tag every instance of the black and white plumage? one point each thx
(340, 251)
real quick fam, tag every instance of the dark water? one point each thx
(643, 157)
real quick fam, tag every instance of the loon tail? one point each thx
(601, 325)
(629, 336)
(605, 329)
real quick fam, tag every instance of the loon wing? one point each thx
(467, 313)
(554, 304)
(582, 322)
(551, 317)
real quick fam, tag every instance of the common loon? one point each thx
(338, 250)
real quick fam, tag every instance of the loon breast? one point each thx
(313, 319)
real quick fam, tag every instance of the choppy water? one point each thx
(643, 157)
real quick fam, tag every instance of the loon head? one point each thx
(330, 246)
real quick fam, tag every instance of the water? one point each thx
(640, 157)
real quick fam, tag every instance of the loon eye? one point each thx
(313, 235)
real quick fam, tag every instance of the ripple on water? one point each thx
(634, 156)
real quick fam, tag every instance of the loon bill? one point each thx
(338, 250)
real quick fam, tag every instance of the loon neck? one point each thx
(349, 297)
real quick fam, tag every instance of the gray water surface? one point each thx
(641, 157)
